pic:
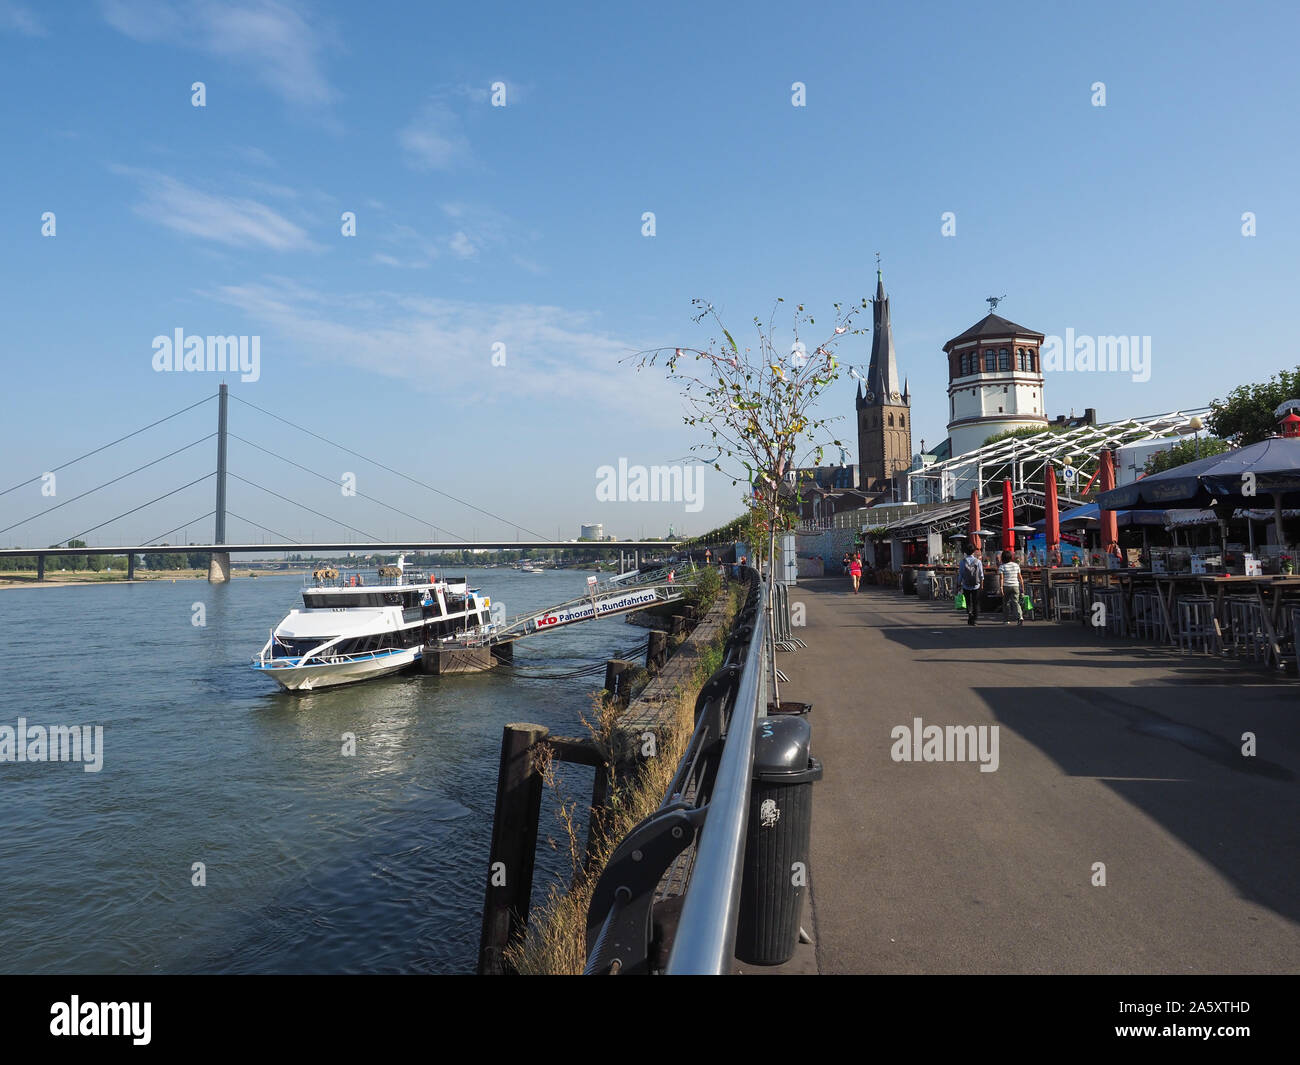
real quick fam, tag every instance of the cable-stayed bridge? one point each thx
(221, 548)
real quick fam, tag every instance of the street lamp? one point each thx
(1195, 425)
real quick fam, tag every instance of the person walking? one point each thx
(970, 577)
(855, 571)
(1009, 585)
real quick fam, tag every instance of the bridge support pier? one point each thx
(219, 567)
(130, 567)
(40, 567)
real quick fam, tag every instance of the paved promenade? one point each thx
(1108, 751)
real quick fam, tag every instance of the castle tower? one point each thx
(884, 409)
(995, 381)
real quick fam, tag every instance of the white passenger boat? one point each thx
(352, 628)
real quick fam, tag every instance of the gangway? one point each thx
(624, 594)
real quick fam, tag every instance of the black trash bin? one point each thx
(777, 841)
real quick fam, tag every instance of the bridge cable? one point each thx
(110, 444)
(399, 473)
(83, 495)
(249, 521)
(360, 532)
(331, 480)
(192, 521)
(78, 536)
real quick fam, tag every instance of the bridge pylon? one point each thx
(219, 567)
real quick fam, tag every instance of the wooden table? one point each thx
(1282, 588)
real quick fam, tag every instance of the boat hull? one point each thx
(317, 675)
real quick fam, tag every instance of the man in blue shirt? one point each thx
(970, 577)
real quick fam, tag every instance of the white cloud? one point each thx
(440, 344)
(461, 245)
(235, 221)
(433, 139)
(270, 38)
(19, 19)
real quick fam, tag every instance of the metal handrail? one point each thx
(706, 932)
(317, 657)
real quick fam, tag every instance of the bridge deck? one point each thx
(1110, 751)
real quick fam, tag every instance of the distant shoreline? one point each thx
(79, 580)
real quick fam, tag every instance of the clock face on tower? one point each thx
(870, 396)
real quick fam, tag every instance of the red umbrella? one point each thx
(974, 518)
(1008, 517)
(1053, 526)
(1106, 482)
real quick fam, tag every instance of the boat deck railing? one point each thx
(329, 658)
(344, 580)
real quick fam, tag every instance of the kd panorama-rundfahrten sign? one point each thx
(605, 606)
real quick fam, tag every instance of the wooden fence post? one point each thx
(656, 652)
(514, 845)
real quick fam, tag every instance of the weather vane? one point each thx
(993, 302)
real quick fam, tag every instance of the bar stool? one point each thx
(1113, 601)
(1253, 634)
(1294, 615)
(1065, 602)
(1147, 623)
(1196, 623)
(1241, 623)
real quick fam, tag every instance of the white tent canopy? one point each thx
(1023, 458)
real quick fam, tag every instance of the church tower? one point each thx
(884, 409)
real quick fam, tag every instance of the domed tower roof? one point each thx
(993, 325)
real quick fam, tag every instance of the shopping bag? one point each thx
(1028, 604)
(960, 602)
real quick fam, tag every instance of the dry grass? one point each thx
(555, 942)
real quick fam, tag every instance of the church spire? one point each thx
(882, 374)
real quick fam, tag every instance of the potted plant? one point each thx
(1288, 564)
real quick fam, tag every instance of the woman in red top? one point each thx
(855, 571)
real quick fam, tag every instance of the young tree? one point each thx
(1184, 451)
(1246, 416)
(756, 405)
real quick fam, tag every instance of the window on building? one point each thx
(902, 421)
(891, 421)
(1004, 360)
(999, 410)
(1033, 357)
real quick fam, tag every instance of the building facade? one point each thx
(995, 382)
(884, 410)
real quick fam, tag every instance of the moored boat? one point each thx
(352, 629)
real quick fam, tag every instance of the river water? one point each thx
(314, 861)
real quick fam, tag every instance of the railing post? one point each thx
(514, 845)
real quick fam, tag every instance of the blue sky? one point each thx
(522, 225)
